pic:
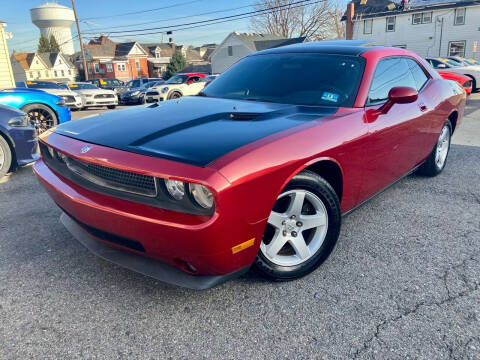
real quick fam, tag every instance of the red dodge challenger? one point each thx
(257, 169)
(463, 80)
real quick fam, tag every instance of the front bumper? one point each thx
(90, 101)
(143, 265)
(149, 98)
(199, 245)
(26, 144)
(131, 99)
(63, 113)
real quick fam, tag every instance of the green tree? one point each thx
(43, 45)
(54, 47)
(177, 63)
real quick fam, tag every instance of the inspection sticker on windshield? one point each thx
(330, 96)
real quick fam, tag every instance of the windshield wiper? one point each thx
(258, 99)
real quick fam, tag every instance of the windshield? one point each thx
(42, 85)
(134, 83)
(300, 79)
(82, 86)
(177, 79)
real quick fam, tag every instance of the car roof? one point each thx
(336, 47)
(192, 74)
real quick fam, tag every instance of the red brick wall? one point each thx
(142, 72)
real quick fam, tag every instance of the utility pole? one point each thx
(85, 70)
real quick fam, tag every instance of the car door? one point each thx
(194, 85)
(394, 136)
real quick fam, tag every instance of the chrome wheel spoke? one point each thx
(275, 219)
(313, 221)
(296, 204)
(300, 246)
(277, 243)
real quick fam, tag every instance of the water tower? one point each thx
(57, 20)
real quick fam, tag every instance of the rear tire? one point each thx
(302, 229)
(5, 157)
(437, 159)
(41, 116)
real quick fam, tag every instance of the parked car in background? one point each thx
(137, 95)
(73, 100)
(18, 139)
(209, 79)
(464, 62)
(451, 65)
(43, 109)
(94, 96)
(109, 84)
(256, 171)
(463, 80)
(177, 86)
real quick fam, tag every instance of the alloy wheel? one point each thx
(296, 229)
(443, 145)
(2, 158)
(41, 119)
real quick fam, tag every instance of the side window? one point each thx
(389, 74)
(418, 74)
(195, 79)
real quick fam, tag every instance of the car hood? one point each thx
(60, 92)
(194, 130)
(94, 91)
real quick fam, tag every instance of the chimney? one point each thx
(349, 21)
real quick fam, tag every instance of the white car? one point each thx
(94, 96)
(71, 98)
(472, 72)
(177, 86)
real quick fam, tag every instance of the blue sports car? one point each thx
(43, 109)
(18, 139)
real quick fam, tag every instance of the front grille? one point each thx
(69, 99)
(103, 176)
(104, 96)
(152, 93)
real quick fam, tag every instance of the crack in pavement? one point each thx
(450, 298)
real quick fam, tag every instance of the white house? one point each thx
(236, 46)
(427, 27)
(61, 69)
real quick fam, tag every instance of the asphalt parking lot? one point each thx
(402, 283)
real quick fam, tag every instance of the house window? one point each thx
(390, 23)
(59, 61)
(63, 73)
(137, 65)
(417, 19)
(459, 16)
(69, 72)
(157, 54)
(56, 74)
(39, 75)
(109, 68)
(121, 67)
(456, 48)
(230, 51)
(30, 75)
(367, 26)
(427, 17)
(96, 67)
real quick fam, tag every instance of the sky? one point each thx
(104, 16)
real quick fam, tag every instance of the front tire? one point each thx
(5, 157)
(437, 159)
(302, 228)
(111, 107)
(174, 95)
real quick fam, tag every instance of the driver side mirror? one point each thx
(189, 82)
(396, 95)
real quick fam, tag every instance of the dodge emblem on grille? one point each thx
(85, 149)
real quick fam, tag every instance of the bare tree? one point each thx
(313, 19)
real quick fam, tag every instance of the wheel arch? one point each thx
(453, 117)
(173, 91)
(44, 104)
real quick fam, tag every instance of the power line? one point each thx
(163, 20)
(142, 11)
(266, 10)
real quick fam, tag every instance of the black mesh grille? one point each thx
(104, 96)
(104, 176)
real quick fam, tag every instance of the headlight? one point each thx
(136, 92)
(175, 188)
(19, 121)
(202, 195)
(164, 90)
(61, 102)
